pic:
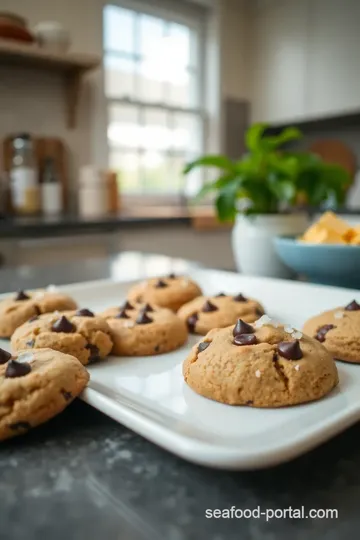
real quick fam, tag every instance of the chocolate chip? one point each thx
(147, 308)
(17, 369)
(240, 298)
(21, 295)
(122, 315)
(191, 322)
(290, 350)
(220, 294)
(84, 313)
(241, 327)
(20, 426)
(30, 343)
(203, 345)
(321, 333)
(143, 318)
(161, 284)
(171, 276)
(67, 395)
(34, 318)
(245, 339)
(157, 348)
(4, 356)
(208, 306)
(94, 353)
(250, 402)
(353, 306)
(259, 312)
(127, 305)
(63, 325)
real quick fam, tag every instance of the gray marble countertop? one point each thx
(83, 476)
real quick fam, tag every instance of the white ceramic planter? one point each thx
(252, 243)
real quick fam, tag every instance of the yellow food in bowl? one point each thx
(330, 229)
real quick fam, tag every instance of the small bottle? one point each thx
(51, 193)
(92, 192)
(25, 194)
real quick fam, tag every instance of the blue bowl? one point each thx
(329, 264)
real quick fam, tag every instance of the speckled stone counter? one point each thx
(83, 476)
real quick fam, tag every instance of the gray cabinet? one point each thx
(306, 59)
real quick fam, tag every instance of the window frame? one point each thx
(199, 26)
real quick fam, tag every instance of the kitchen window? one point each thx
(153, 63)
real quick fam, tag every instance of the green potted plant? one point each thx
(268, 192)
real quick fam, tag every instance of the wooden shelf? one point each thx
(73, 67)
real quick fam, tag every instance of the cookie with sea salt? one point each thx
(79, 333)
(18, 308)
(35, 386)
(145, 329)
(170, 291)
(339, 331)
(207, 312)
(261, 365)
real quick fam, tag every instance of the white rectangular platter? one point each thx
(149, 396)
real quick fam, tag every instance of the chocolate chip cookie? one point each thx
(142, 330)
(339, 331)
(169, 291)
(262, 365)
(207, 312)
(35, 386)
(78, 333)
(20, 307)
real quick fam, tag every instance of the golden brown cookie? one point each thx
(339, 331)
(169, 292)
(78, 333)
(16, 310)
(207, 312)
(35, 387)
(144, 330)
(261, 365)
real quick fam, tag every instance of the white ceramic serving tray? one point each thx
(149, 396)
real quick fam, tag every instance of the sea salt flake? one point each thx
(129, 324)
(258, 373)
(39, 294)
(289, 329)
(51, 288)
(338, 315)
(185, 283)
(56, 312)
(297, 335)
(297, 367)
(264, 319)
(25, 357)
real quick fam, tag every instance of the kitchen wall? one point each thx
(305, 62)
(32, 101)
(35, 103)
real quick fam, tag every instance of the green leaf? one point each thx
(259, 193)
(254, 135)
(273, 142)
(282, 188)
(220, 183)
(270, 177)
(225, 205)
(221, 162)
